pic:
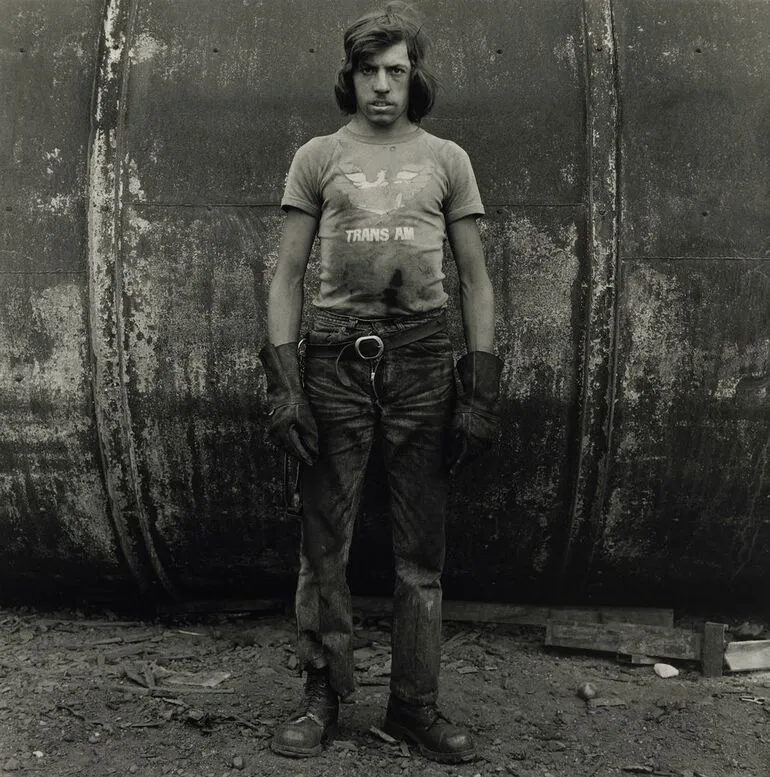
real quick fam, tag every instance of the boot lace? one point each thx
(318, 693)
(320, 698)
(435, 715)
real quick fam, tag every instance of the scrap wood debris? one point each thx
(459, 639)
(152, 676)
(206, 720)
(661, 772)
(71, 711)
(606, 702)
(384, 736)
(373, 661)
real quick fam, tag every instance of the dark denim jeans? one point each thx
(410, 400)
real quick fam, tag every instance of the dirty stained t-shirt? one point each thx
(382, 208)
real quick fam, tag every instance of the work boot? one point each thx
(437, 738)
(301, 736)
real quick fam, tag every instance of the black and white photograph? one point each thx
(385, 388)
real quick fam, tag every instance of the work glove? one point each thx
(291, 425)
(476, 415)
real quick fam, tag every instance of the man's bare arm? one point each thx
(476, 295)
(284, 308)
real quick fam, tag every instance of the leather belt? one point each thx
(371, 346)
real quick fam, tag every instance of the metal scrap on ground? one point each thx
(751, 654)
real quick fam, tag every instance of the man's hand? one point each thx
(293, 428)
(476, 417)
(291, 425)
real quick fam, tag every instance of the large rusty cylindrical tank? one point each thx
(622, 150)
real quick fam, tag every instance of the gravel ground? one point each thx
(92, 695)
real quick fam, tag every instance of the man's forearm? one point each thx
(478, 312)
(284, 305)
(284, 311)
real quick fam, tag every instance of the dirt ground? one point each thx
(91, 695)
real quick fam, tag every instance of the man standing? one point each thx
(381, 194)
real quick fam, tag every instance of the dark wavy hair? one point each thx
(379, 30)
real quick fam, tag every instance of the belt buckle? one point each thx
(376, 339)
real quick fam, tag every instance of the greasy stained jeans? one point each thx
(409, 398)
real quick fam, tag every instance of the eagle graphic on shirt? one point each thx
(383, 193)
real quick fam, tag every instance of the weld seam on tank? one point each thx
(157, 564)
(106, 179)
(597, 383)
(613, 268)
(101, 303)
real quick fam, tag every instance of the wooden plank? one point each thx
(462, 611)
(202, 606)
(629, 638)
(751, 654)
(713, 648)
(526, 615)
(636, 659)
(650, 616)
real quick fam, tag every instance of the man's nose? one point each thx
(381, 81)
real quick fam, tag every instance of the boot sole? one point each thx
(405, 735)
(292, 752)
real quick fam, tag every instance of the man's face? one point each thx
(382, 88)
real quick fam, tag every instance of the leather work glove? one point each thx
(476, 414)
(291, 425)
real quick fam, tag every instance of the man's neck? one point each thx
(361, 126)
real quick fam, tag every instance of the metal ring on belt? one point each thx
(375, 340)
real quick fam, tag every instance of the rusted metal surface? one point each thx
(689, 495)
(195, 284)
(54, 528)
(625, 242)
(221, 96)
(696, 140)
(107, 189)
(54, 520)
(515, 98)
(508, 510)
(688, 505)
(513, 78)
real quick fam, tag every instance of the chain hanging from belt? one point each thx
(372, 359)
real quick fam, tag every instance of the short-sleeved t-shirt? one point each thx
(382, 208)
